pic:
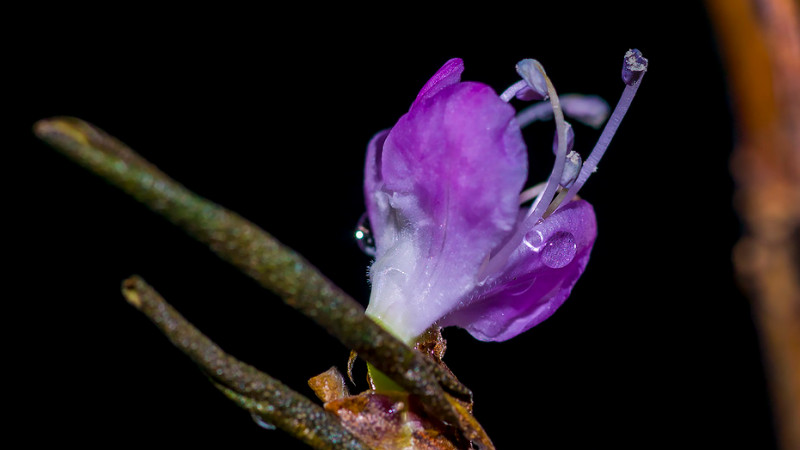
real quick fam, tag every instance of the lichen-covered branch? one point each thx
(760, 42)
(259, 255)
(251, 389)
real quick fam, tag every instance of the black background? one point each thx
(269, 113)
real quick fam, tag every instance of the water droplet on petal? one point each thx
(533, 239)
(363, 235)
(559, 250)
(261, 422)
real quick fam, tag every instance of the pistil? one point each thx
(633, 69)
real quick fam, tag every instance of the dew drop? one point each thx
(559, 250)
(261, 422)
(363, 235)
(533, 239)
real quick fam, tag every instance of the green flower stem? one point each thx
(379, 381)
(251, 389)
(259, 255)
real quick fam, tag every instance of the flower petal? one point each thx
(536, 280)
(442, 191)
(447, 75)
(378, 209)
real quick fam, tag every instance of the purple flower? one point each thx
(443, 187)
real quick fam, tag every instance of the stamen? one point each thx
(570, 139)
(558, 168)
(532, 74)
(531, 192)
(532, 86)
(636, 65)
(590, 110)
(572, 169)
(572, 164)
(633, 70)
(536, 80)
(534, 113)
(512, 90)
(555, 203)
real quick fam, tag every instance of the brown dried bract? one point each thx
(433, 345)
(329, 385)
(393, 420)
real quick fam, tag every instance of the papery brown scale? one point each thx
(392, 420)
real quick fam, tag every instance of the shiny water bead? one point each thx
(364, 237)
(559, 250)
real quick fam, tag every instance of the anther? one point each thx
(532, 86)
(633, 66)
(536, 88)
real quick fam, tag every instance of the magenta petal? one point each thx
(536, 280)
(461, 156)
(447, 75)
(378, 209)
(442, 193)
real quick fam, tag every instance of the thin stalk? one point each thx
(252, 389)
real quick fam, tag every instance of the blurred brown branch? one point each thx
(760, 42)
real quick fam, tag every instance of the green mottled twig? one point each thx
(251, 389)
(259, 255)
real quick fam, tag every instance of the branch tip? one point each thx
(131, 293)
